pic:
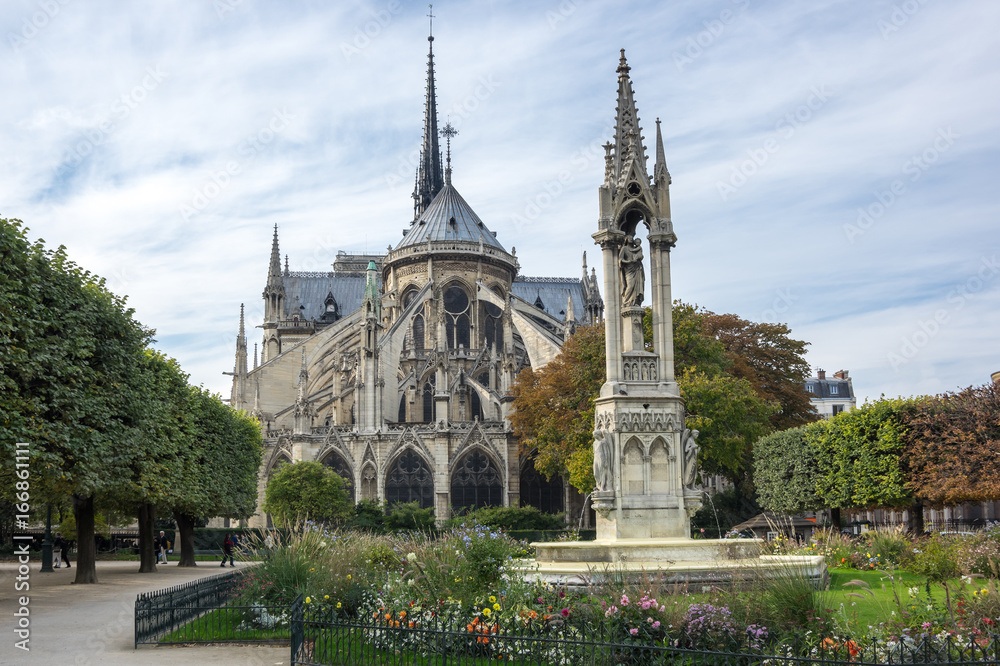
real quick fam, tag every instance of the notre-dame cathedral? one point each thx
(394, 369)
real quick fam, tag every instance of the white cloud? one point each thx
(532, 89)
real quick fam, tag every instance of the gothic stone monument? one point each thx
(645, 461)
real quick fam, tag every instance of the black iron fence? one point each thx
(319, 639)
(164, 611)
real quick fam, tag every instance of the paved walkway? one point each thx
(94, 624)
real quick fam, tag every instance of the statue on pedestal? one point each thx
(603, 461)
(632, 273)
(689, 446)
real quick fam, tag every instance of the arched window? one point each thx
(418, 332)
(546, 495)
(368, 487)
(402, 409)
(476, 482)
(492, 326)
(456, 308)
(410, 480)
(337, 463)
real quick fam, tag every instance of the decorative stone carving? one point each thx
(632, 273)
(603, 461)
(689, 447)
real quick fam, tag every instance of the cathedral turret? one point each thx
(238, 397)
(274, 302)
(429, 176)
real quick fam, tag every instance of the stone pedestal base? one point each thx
(698, 562)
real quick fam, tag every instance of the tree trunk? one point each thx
(185, 530)
(147, 545)
(916, 525)
(86, 550)
(835, 518)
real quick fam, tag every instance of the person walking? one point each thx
(162, 545)
(227, 551)
(65, 552)
(57, 546)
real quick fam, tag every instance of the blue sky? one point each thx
(833, 162)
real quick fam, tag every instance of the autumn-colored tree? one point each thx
(952, 452)
(766, 356)
(554, 408)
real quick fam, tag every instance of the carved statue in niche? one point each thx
(603, 461)
(689, 446)
(632, 273)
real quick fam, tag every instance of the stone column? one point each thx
(610, 242)
(663, 319)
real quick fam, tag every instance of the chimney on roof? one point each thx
(840, 374)
(821, 373)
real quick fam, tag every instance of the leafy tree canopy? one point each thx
(310, 490)
(952, 451)
(731, 400)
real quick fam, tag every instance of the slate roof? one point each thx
(305, 293)
(553, 293)
(821, 388)
(435, 223)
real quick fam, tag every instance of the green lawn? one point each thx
(878, 605)
(222, 625)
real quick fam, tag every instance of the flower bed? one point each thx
(408, 591)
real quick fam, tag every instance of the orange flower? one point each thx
(402, 614)
(828, 644)
(388, 616)
(852, 647)
(469, 628)
(411, 624)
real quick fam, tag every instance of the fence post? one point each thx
(297, 628)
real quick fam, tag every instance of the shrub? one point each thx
(889, 544)
(410, 517)
(512, 518)
(934, 559)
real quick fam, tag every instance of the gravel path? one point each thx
(94, 624)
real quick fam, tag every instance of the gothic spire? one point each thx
(660, 168)
(448, 131)
(429, 176)
(274, 271)
(628, 138)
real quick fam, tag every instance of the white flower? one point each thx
(412, 557)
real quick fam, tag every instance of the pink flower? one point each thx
(656, 625)
(633, 631)
(645, 605)
(624, 600)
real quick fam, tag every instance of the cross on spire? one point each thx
(447, 132)
(430, 32)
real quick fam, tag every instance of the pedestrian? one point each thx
(162, 545)
(57, 546)
(65, 552)
(227, 551)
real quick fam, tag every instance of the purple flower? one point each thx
(565, 612)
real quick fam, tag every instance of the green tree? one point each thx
(859, 453)
(307, 490)
(222, 438)
(786, 470)
(69, 351)
(730, 417)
